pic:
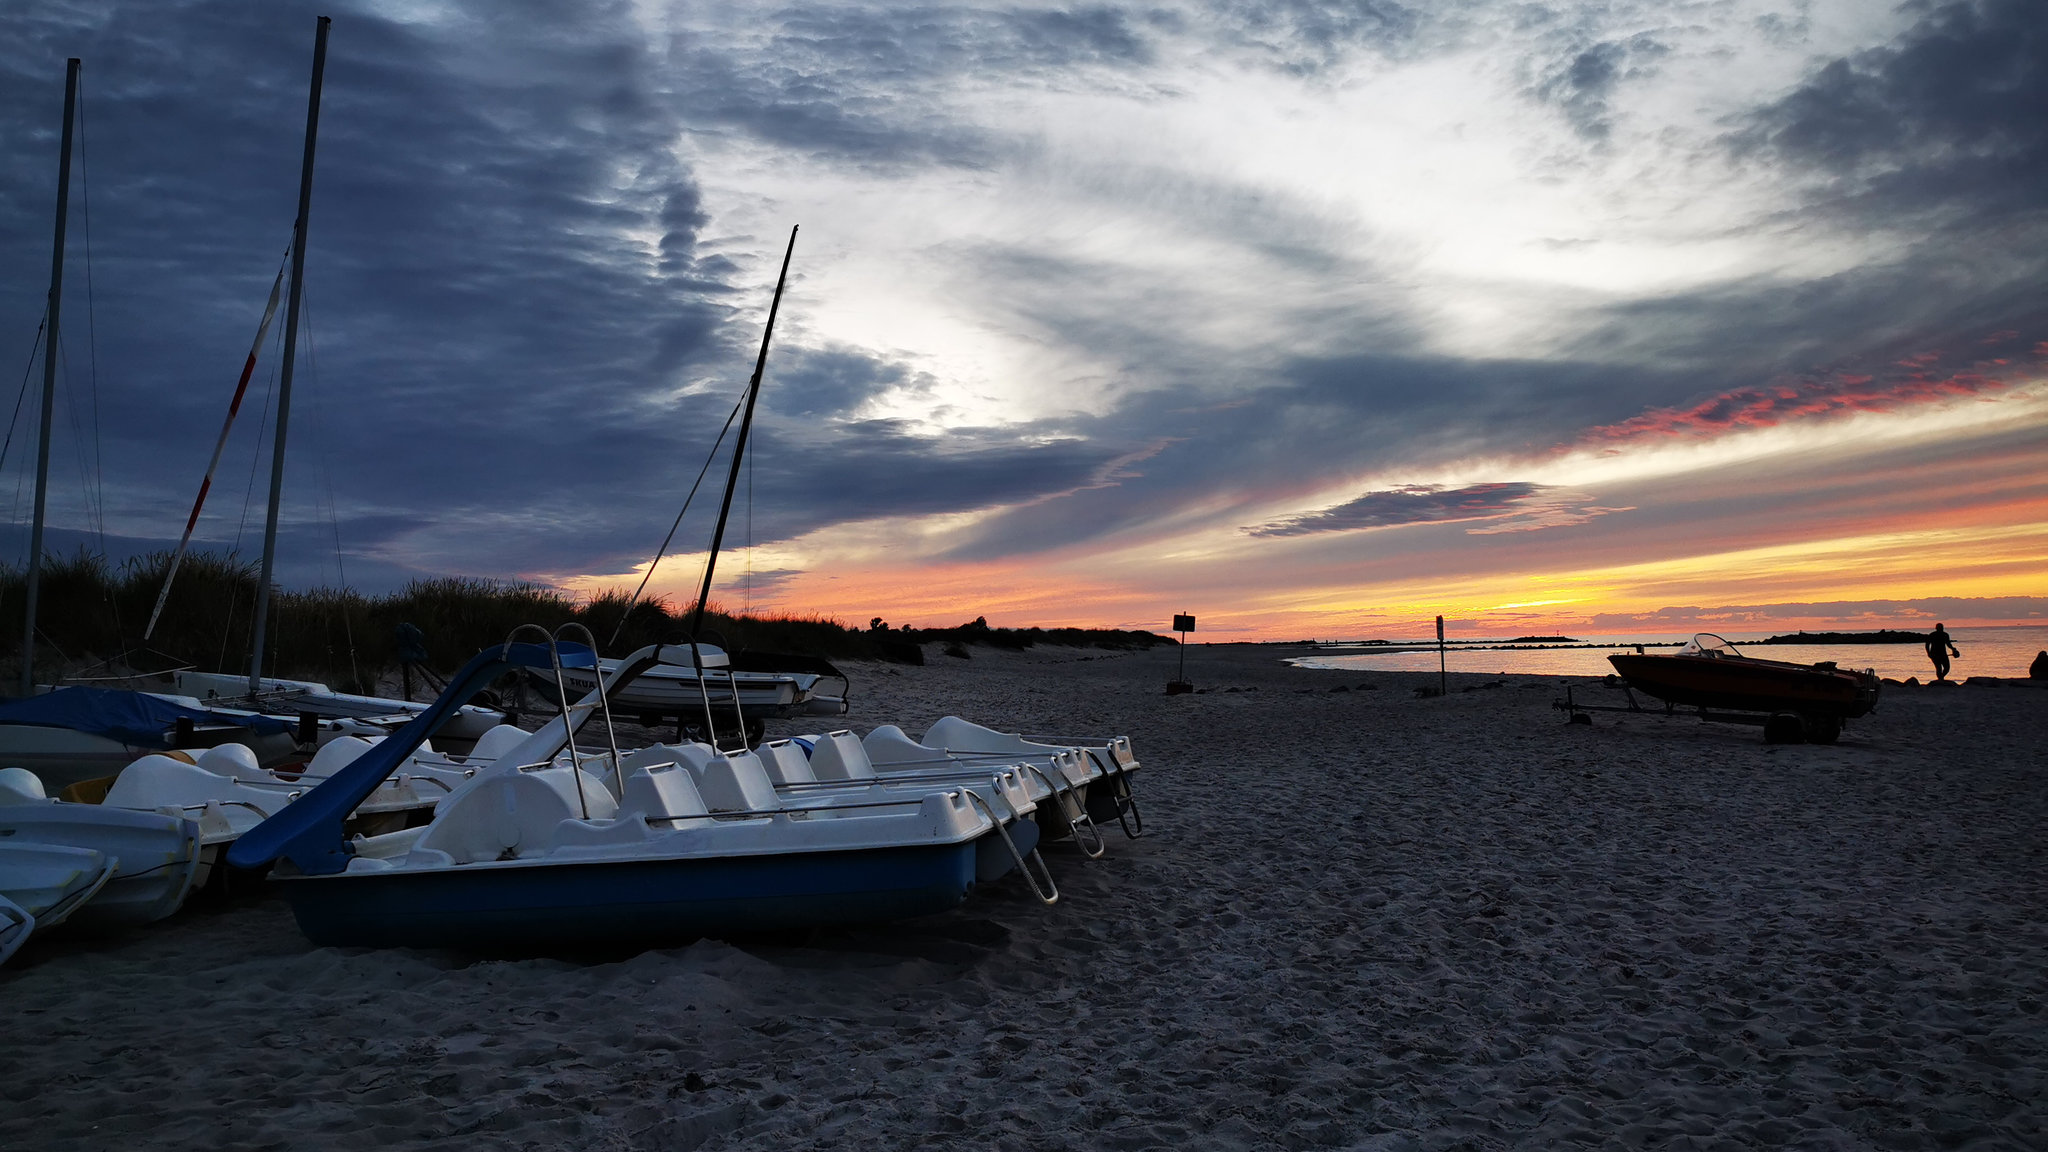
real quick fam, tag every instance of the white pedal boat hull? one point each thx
(157, 857)
(51, 881)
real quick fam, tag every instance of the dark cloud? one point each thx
(1491, 509)
(1308, 36)
(872, 86)
(485, 330)
(1409, 504)
(1304, 429)
(1953, 115)
(307, 557)
(1584, 85)
(871, 468)
(835, 382)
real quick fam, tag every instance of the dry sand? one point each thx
(1358, 920)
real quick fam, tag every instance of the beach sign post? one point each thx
(1442, 674)
(1182, 624)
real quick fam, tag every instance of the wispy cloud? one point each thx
(1502, 507)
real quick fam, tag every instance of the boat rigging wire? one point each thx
(78, 444)
(342, 593)
(27, 373)
(739, 447)
(248, 500)
(95, 488)
(749, 584)
(668, 539)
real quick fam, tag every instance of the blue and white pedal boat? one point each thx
(535, 855)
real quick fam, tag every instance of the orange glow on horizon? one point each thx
(1941, 502)
(1965, 562)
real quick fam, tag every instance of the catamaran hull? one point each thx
(675, 692)
(562, 907)
(1750, 685)
(61, 757)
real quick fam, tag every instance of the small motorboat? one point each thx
(1710, 673)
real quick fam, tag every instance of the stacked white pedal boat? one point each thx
(92, 865)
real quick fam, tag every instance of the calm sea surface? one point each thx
(1985, 652)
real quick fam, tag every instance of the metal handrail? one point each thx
(203, 805)
(975, 798)
(699, 673)
(704, 693)
(604, 704)
(1119, 780)
(562, 694)
(1069, 741)
(802, 809)
(1076, 815)
(964, 772)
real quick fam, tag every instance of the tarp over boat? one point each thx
(134, 718)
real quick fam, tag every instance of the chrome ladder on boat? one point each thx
(553, 640)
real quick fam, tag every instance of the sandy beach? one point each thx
(1358, 919)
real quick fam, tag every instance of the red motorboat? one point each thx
(1709, 673)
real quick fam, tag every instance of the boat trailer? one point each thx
(1779, 727)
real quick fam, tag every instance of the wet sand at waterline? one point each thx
(1358, 919)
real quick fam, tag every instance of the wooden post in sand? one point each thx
(1182, 624)
(1442, 674)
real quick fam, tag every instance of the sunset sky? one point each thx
(1307, 318)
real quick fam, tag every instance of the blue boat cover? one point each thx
(136, 718)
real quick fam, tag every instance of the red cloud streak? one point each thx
(1798, 399)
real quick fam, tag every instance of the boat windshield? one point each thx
(1708, 644)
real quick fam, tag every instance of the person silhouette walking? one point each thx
(1939, 649)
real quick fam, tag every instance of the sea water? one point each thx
(1985, 652)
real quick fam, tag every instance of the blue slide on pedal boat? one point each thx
(537, 852)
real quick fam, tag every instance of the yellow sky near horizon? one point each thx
(2006, 561)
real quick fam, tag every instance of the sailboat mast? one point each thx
(739, 448)
(35, 535)
(291, 344)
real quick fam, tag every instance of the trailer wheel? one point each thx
(1785, 728)
(1823, 729)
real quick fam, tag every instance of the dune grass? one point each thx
(91, 615)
